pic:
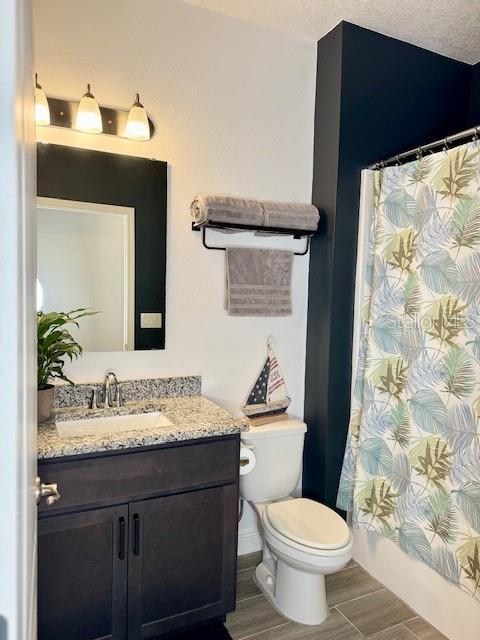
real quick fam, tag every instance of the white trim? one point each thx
(128, 214)
(367, 198)
(18, 451)
(248, 542)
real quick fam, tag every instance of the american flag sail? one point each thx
(269, 393)
(258, 394)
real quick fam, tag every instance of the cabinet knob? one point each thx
(48, 491)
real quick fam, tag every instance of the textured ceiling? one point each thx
(449, 27)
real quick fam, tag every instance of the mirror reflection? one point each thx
(102, 244)
(86, 259)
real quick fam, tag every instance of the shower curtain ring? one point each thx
(419, 153)
(445, 145)
(397, 160)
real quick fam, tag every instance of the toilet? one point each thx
(303, 540)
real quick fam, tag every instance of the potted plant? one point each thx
(54, 342)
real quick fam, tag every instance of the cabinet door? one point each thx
(82, 575)
(182, 560)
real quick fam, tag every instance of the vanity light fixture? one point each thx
(89, 118)
(42, 110)
(137, 127)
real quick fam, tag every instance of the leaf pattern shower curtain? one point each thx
(412, 462)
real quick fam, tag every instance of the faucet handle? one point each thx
(94, 401)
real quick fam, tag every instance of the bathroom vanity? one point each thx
(143, 539)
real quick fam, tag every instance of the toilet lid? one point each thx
(309, 523)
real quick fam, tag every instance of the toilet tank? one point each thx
(278, 449)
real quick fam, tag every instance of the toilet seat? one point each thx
(308, 523)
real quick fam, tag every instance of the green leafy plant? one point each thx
(55, 342)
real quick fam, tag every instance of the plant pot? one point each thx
(45, 404)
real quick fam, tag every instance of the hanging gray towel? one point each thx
(258, 282)
(291, 215)
(220, 208)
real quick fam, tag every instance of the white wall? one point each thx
(233, 104)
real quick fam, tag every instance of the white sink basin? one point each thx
(112, 424)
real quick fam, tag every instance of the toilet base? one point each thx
(297, 595)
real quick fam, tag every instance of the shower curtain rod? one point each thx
(454, 139)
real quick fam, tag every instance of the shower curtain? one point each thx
(411, 470)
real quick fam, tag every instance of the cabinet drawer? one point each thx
(116, 478)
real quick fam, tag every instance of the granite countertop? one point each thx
(193, 416)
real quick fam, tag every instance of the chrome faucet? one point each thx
(111, 398)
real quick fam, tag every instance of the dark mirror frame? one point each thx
(70, 173)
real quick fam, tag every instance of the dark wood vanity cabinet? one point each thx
(177, 570)
(82, 578)
(155, 562)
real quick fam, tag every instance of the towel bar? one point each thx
(296, 233)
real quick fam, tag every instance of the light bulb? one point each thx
(89, 118)
(137, 127)
(42, 110)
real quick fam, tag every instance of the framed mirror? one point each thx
(101, 244)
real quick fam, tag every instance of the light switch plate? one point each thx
(150, 321)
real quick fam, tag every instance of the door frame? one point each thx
(17, 325)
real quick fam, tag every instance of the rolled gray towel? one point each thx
(208, 207)
(291, 215)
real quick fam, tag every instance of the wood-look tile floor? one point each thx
(361, 608)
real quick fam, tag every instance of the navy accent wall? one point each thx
(376, 96)
(324, 195)
(475, 97)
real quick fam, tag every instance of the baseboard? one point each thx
(248, 542)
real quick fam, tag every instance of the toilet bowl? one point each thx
(303, 540)
(296, 560)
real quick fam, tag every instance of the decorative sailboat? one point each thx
(268, 399)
